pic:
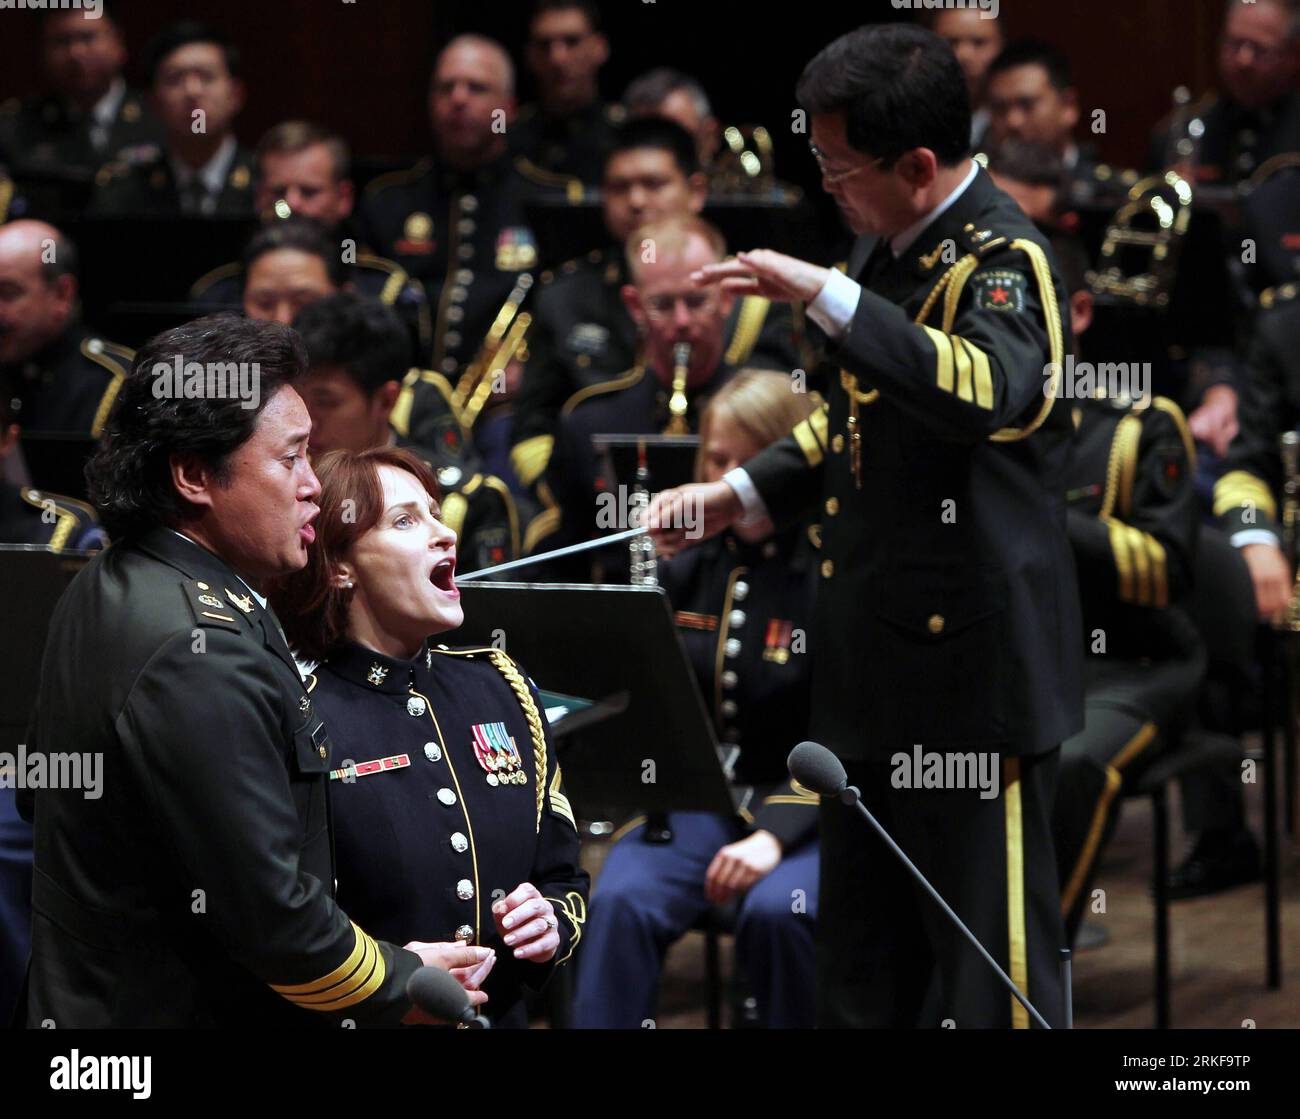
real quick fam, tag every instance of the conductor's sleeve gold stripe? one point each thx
(965, 389)
(943, 357)
(1239, 487)
(362, 947)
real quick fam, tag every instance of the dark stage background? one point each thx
(362, 67)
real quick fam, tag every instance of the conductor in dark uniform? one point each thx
(947, 620)
(447, 795)
(193, 884)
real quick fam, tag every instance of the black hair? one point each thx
(359, 335)
(182, 34)
(129, 477)
(1034, 52)
(304, 234)
(659, 133)
(587, 7)
(899, 87)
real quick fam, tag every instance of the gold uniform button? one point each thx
(321, 751)
(832, 505)
(828, 569)
(837, 444)
(935, 623)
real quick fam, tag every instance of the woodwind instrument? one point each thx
(643, 565)
(677, 403)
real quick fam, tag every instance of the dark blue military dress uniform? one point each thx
(743, 612)
(446, 795)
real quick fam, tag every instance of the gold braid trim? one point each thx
(515, 679)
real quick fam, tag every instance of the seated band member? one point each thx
(448, 806)
(669, 312)
(1132, 519)
(743, 603)
(287, 266)
(357, 359)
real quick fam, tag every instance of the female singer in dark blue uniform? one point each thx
(743, 605)
(448, 807)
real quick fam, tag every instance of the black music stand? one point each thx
(37, 578)
(618, 646)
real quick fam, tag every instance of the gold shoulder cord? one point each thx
(950, 285)
(517, 682)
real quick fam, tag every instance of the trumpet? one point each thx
(677, 403)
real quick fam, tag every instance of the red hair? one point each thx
(312, 609)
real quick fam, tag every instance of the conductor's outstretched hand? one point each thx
(767, 273)
(688, 514)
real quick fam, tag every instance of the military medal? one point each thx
(365, 769)
(497, 754)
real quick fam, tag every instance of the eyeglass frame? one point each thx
(830, 179)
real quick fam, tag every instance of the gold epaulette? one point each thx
(615, 384)
(398, 178)
(574, 191)
(213, 277)
(117, 360)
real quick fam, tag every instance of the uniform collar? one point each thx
(963, 208)
(54, 353)
(901, 242)
(374, 671)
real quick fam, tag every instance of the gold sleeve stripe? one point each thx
(1123, 564)
(808, 442)
(1141, 566)
(530, 457)
(559, 802)
(346, 968)
(983, 376)
(965, 386)
(749, 322)
(805, 801)
(1159, 570)
(943, 357)
(369, 977)
(820, 424)
(1240, 487)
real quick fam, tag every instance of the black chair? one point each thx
(1222, 606)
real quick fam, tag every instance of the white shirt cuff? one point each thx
(835, 305)
(1253, 536)
(750, 499)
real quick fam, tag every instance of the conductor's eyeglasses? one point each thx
(832, 174)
